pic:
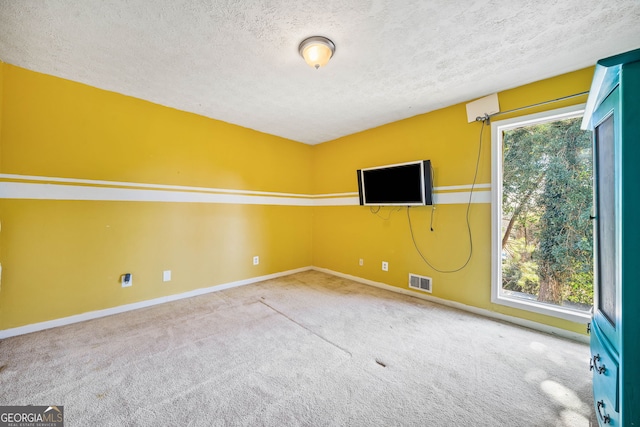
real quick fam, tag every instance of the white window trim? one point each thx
(497, 297)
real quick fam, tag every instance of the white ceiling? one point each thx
(238, 61)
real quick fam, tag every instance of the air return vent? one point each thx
(420, 282)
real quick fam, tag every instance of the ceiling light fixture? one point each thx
(317, 51)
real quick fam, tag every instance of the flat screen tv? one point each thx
(404, 184)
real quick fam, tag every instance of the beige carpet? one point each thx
(308, 349)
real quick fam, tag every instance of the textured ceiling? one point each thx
(237, 60)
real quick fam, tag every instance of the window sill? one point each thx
(541, 308)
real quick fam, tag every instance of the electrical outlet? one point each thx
(361, 262)
(385, 266)
(166, 276)
(126, 280)
(256, 260)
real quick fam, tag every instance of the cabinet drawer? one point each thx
(604, 366)
(604, 412)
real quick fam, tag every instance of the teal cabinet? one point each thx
(613, 113)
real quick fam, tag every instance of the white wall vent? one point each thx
(420, 282)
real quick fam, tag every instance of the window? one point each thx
(542, 197)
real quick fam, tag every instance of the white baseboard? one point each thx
(21, 330)
(481, 311)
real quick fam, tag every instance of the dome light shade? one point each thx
(317, 51)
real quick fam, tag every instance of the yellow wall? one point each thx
(65, 257)
(60, 128)
(1, 105)
(343, 235)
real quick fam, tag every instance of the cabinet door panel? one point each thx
(607, 276)
(606, 230)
